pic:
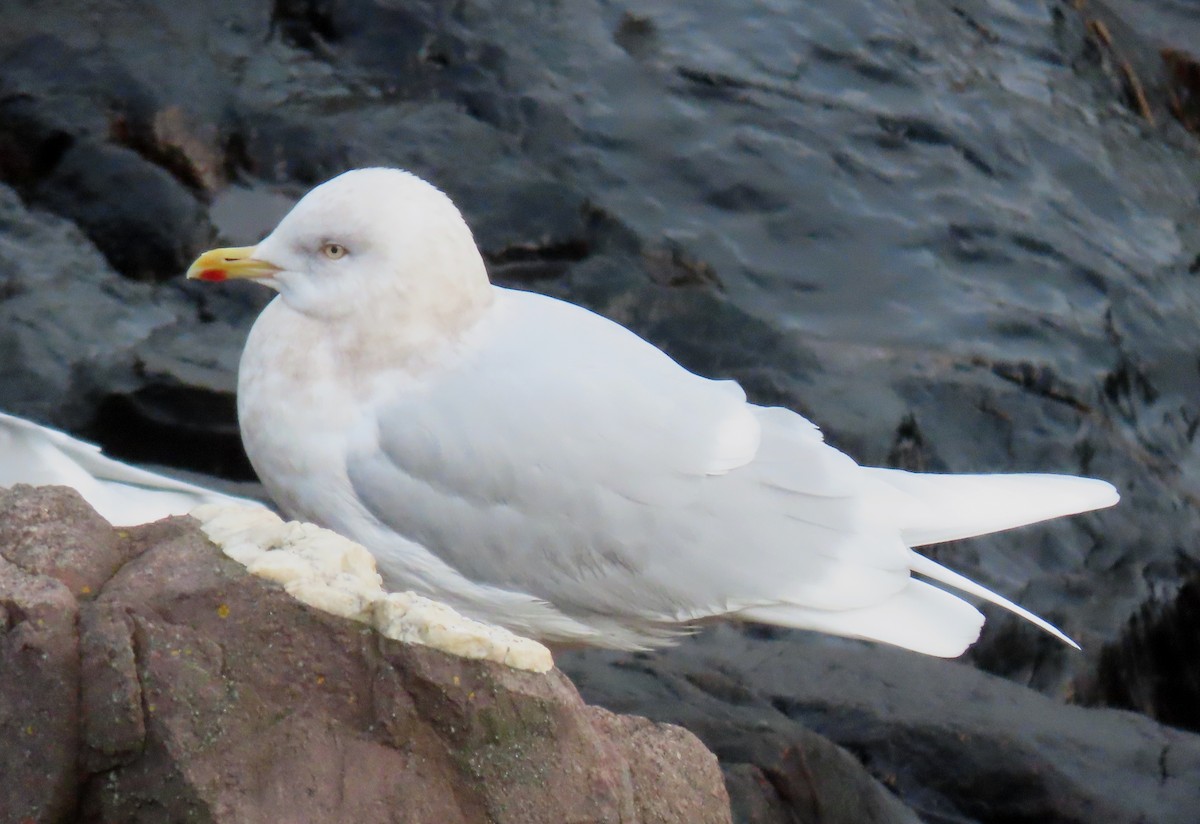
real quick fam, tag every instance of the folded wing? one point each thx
(584, 467)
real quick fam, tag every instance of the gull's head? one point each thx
(368, 240)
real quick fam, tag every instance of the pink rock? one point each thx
(185, 688)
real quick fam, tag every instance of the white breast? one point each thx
(296, 410)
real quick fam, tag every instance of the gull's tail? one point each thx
(931, 509)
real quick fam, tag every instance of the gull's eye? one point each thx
(334, 251)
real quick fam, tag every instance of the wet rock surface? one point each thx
(953, 743)
(1151, 667)
(959, 237)
(178, 687)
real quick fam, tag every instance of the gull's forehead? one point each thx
(364, 201)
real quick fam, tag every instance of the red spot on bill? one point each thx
(213, 275)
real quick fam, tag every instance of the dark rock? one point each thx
(82, 348)
(131, 424)
(954, 744)
(147, 224)
(1184, 91)
(51, 97)
(172, 138)
(1154, 667)
(187, 689)
(283, 151)
(81, 138)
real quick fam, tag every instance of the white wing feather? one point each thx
(941, 508)
(125, 495)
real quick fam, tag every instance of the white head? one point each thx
(370, 242)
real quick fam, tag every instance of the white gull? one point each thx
(539, 467)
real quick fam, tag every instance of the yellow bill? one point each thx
(226, 264)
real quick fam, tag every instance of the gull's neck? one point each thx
(378, 338)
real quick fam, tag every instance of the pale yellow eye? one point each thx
(333, 251)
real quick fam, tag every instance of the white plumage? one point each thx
(540, 467)
(125, 495)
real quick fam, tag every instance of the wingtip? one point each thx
(1092, 493)
(935, 571)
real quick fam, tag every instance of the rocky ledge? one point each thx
(148, 677)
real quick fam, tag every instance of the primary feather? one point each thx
(540, 467)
